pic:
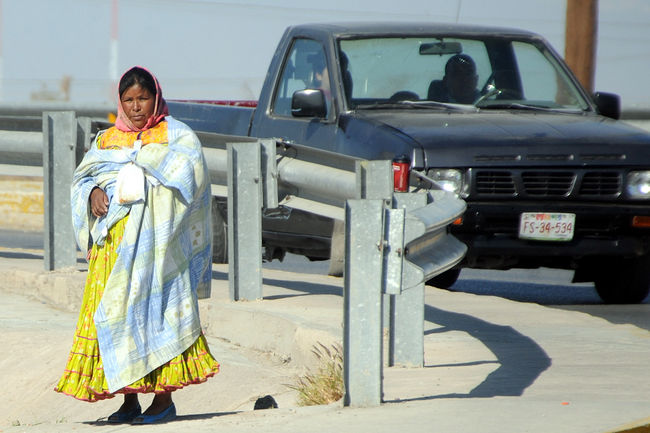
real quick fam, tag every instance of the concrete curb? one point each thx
(273, 334)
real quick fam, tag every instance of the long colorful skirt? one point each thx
(83, 377)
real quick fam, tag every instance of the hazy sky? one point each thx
(208, 49)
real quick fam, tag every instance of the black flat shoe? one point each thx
(124, 417)
(164, 416)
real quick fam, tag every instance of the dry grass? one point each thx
(325, 386)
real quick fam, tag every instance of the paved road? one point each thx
(549, 287)
(23, 240)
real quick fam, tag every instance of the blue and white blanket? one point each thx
(149, 311)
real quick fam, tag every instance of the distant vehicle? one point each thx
(550, 177)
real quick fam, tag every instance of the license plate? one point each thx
(543, 226)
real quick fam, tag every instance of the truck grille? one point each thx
(601, 183)
(495, 182)
(548, 183)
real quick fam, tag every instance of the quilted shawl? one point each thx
(149, 311)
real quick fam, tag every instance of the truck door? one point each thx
(305, 67)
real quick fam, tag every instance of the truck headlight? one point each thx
(450, 179)
(638, 184)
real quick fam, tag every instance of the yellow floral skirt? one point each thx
(83, 377)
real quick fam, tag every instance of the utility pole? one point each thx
(580, 40)
(113, 55)
(1, 64)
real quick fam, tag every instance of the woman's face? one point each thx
(138, 104)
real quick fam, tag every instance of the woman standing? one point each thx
(141, 206)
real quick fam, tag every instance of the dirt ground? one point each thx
(503, 365)
(37, 338)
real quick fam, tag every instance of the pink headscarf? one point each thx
(123, 123)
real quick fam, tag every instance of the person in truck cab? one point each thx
(321, 77)
(459, 83)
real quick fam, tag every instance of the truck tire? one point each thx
(337, 250)
(219, 235)
(444, 280)
(624, 281)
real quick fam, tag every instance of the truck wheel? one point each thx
(219, 235)
(627, 281)
(444, 280)
(337, 250)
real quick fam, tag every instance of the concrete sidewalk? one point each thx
(491, 365)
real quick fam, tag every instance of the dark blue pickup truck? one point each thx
(550, 176)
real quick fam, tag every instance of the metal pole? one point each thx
(374, 180)
(245, 221)
(59, 162)
(406, 323)
(269, 174)
(84, 134)
(362, 303)
(113, 49)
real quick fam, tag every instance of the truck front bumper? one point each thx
(601, 229)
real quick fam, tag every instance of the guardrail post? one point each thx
(406, 324)
(374, 180)
(59, 162)
(245, 221)
(84, 136)
(362, 303)
(269, 174)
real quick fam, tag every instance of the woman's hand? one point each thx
(98, 202)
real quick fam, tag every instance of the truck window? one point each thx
(383, 67)
(540, 78)
(488, 71)
(304, 68)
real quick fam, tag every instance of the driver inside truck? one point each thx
(320, 77)
(459, 83)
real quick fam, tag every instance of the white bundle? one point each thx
(130, 184)
(129, 187)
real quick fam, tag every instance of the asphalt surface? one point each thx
(491, 364)
(549, 287)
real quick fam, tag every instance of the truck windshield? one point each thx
(487, 73)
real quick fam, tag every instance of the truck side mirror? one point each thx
(308, 103)
(608, 104)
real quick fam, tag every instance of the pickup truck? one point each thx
(551, 177)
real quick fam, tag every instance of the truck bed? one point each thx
(223, 117)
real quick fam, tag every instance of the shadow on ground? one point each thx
(571, 297)
(198, 416)
(520, 359)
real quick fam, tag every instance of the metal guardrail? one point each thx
(309, 179)
(393, 242)
(21, 140)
